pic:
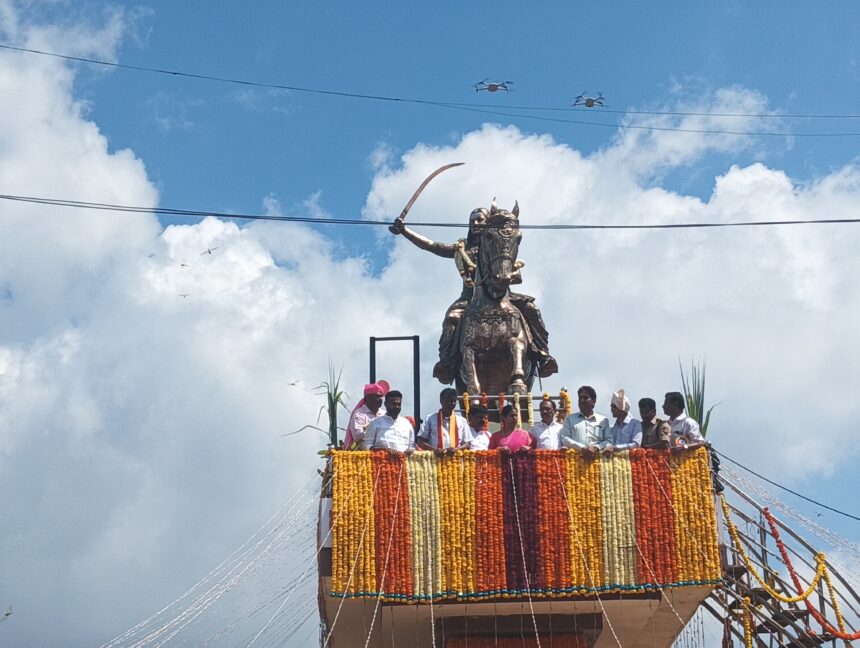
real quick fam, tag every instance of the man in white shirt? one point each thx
(479, 419)
(390, 431)
(547, 431)
(626, 431)
(363, 415)
(445, 430)
(585, 430)
(681, 424)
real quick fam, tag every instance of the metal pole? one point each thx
(416, 377)
(372, 359)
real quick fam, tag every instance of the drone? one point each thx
(209, 250)
(493, 86)
(589, 102)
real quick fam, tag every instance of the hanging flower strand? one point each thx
(530, 419)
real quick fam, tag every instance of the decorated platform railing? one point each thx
(553, 524)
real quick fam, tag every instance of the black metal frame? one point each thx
(416, 357)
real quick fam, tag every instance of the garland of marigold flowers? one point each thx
(467, 480)
(802, 595)
(433, 526)
(565, 406)
(657, 560)
(393, 532)
(618, 520)
(821, 561)
(748, 642)
(585, 522)
(490, 559)
(417, 506)
(695, 518)
(525, 475)
(552, 520)
(451, 521)
(515, 575)
(354, 573)
(450, 534)
(530, 414)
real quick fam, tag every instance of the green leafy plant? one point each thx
(694, 395)
(335, 398)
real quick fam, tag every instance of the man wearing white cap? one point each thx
(626, 432)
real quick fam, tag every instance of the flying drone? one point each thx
(589, 102)
(493, 86)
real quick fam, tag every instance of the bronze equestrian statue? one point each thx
(493, 340)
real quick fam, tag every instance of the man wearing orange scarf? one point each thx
(445, 430)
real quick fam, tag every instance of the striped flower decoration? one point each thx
(489, 526)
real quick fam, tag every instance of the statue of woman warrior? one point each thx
(465, 253)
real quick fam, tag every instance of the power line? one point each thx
(704, 131)
(788, 490)
(195, 213)
(471, 107)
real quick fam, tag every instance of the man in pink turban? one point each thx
(364, 412)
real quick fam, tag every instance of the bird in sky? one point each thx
(209, 250)
(6, 615)
(184, 265)
(184, 295)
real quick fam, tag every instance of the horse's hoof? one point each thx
(443, 374)
(518, 387)
(548, 367)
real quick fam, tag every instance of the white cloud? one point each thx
(140, 431)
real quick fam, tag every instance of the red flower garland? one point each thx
(552, 519)
(836, 632)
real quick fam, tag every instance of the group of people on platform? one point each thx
(376, 424)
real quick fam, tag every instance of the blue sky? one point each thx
(256, 141)
(141, 432)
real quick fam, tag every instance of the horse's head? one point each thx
(500, 242)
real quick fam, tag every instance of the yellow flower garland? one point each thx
(820, 562)
(585, 520)
(695, 516)
(600, 524)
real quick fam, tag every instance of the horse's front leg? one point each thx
(517, 347)
(468, 371)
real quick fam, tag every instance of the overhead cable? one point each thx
(195, 213)
(472, 107)
(788, 490)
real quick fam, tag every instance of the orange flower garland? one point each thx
(391, 519)
(553, 522)
(490, 560)
(638, 520)
(655, 521)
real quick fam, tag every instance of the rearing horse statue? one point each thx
(494, 337)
